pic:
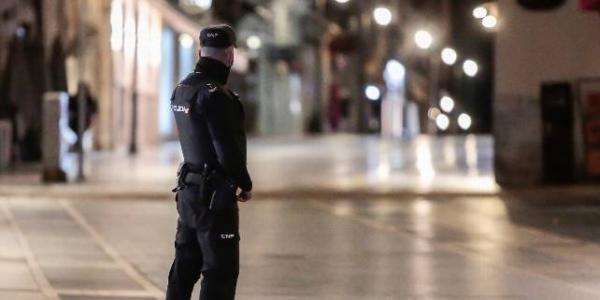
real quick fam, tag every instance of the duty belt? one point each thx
(187, 176)
(193, 178)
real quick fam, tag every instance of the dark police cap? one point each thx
(217, 36)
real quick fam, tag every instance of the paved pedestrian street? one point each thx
(292, 249)
(334, 218)
(335, 164)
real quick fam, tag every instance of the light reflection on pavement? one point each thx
(425, 164)
(318, 165)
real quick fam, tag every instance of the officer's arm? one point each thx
(245, 181)
(219, 115)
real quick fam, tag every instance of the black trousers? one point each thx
(207, 245)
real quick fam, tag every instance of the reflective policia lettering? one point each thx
(181, 108)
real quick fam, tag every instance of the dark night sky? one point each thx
(471, 40)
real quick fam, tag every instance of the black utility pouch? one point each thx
(223, 197)
(188, 205)
(204, 186)
(182, 171)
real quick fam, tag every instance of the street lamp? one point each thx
(449, 56)
(372, 92)
(480, 12)
(204, 4)
(489, 22)
(423, 39)
(470, 67)
(442, 122)
(382, 16)
(464, 121)
(447, 104)
(254, 42)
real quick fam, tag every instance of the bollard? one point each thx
(55, 122)
(5, 144)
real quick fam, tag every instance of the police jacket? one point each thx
(210, 121)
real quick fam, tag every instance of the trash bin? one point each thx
(54, 143)
(5, 144)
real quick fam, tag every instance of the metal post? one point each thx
(5, 144)
(134, 97)
(362, 125)
(81, 99)
(318, 107)
(434, 84)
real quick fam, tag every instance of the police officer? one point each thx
(213, 177)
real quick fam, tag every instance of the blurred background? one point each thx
(439, 121)
(521, 72)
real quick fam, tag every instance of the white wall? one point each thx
(539, 46)
(533, 47)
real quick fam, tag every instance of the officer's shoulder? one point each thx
(212, 95)
(191, 80)
(213, 90)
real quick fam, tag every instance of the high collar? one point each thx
(213, 69)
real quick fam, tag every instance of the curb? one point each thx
(164, 193)
(553, 195)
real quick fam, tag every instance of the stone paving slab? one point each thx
(9, 246)
(16, 275)
(21, 295)
(89, 278)
(103, 298)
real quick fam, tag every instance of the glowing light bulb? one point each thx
(254, 42)
(480, 12)
(470, 67)
(449, 56)
(442, 122)
(423, 39)
(489, 22)
(372, 92)
(382, 16)
(447, 104)
(464, 121)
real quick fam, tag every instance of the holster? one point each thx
(223, 195)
